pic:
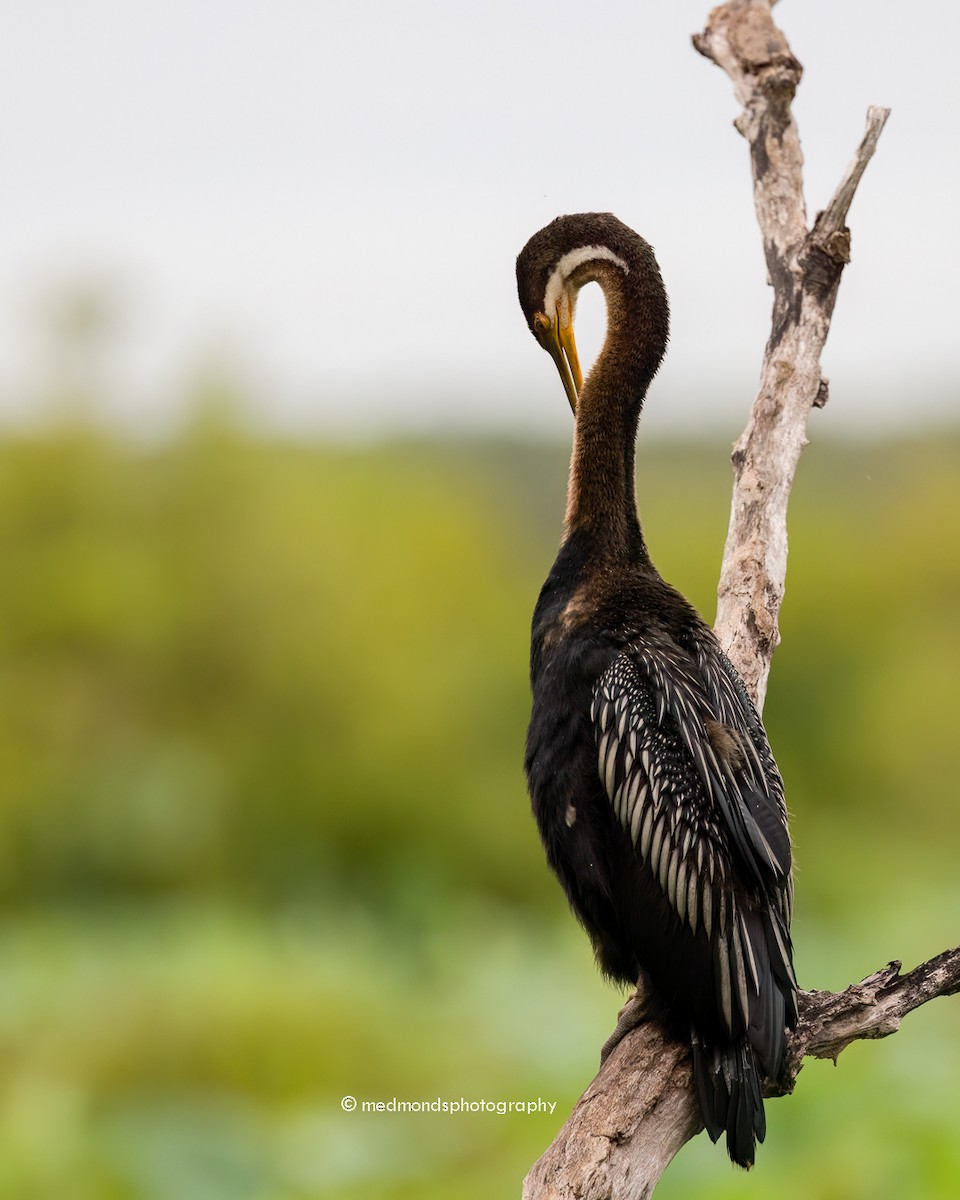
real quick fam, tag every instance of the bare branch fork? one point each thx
(641, 1108)
(804, 268)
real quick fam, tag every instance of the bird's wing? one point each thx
(758, 814)
(703, 806)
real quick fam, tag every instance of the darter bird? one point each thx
(653, 786)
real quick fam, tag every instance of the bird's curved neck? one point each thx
(601, 495)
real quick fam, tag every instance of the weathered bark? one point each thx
(804, 268)
(641, 1108)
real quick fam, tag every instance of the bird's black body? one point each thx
(652, 783)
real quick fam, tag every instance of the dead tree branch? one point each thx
(804, 268)
(641, 1109)
(873, 1008)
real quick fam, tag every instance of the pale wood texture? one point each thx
(804, 267)
(641, 1109)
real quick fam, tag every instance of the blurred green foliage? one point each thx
(264, 839)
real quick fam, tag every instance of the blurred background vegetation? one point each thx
(264, 839)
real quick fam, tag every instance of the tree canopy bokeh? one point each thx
(264, 839)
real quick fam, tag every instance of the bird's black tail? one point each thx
(728, 1083)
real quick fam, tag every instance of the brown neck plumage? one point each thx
(601, 496)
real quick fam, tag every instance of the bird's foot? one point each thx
(634, 1013)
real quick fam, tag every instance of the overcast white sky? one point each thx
(333, 196)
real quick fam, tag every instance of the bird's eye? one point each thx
(541, 325)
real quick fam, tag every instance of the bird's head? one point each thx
(556, 263)
(549, 300)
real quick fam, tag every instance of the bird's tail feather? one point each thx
(728, 1087)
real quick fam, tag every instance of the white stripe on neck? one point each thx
(556, 284)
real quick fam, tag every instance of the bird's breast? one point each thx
(561, 757)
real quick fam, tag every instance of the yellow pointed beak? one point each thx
(556, 337)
